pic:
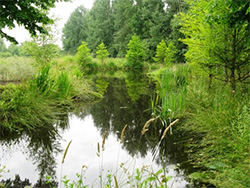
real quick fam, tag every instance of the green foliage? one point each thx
(41, 49)
(2, 45)
(83, 55)
(31, 14)
(219, 119)
(102, 52)
(160, 52)
(172, 92)
(170, 54)
(38, 102)
(14, 50)
(123, 12)
(135, 53)
(75, 30)
(151, 25)
(101, 25)
(218, 45)
(142, 178)
(5, 54)
(115, 22)
(165, 53)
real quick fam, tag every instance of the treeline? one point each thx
(29, 48)
(114, 22)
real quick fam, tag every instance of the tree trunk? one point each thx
(232, 80)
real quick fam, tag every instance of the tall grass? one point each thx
(40, 100)
(221, 118)
(171, 89)
(16, 69)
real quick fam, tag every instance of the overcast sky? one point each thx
(61, 11)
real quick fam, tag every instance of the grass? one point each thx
(39, 101)
(169, 101)
(16, 69)
(219, 119)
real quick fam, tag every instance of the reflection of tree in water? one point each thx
(42, 144)
(125, 102)
(137, 85)
(128, 101)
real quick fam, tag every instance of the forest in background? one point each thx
(115, 22)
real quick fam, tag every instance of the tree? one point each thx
(101, 25)
(217, 44)
(31, 14)
(83, 54)
(2, 45)
(154, 25)
(123, 27)
(3, 49)
(42, 47)
(14, 49)
(165, 53)
(170, 54)
(174, 8)
(75, 30)
(160, 52)
(102, 52)
(135, 54)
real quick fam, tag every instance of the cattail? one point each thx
(65, 152)
(123, 131)
(98, 150)
(166, 130)
(145, 127)
(103, 140)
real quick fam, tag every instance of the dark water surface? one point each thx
(126, 101)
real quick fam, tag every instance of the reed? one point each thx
(146, 125)
(166, 130)
(103, 141)
(122, 133)
(66, 151)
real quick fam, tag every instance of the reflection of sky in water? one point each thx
(82, 151)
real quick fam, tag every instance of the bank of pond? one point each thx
(110, 127)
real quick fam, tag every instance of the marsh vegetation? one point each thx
(143, 94)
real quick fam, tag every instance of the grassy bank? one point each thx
(218, 117)
(40, 98)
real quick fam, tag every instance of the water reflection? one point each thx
(38, 145)
(126, 101)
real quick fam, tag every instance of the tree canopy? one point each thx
(218, 41)
(31, 14)
(115, 21)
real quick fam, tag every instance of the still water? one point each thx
(126, 101)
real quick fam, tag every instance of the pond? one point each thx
(126, 101)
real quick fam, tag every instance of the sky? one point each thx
(61, 11)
